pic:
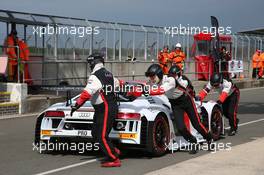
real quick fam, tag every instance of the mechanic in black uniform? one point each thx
(175, 88)
(100, 90)
(228, 98)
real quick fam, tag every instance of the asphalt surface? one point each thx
(17, 155)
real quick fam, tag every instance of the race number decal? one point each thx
(82, 133)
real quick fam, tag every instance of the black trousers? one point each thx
(104, 117)
(255, 72)
(230, 106)
(186, 104)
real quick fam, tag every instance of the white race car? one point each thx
(143, 122)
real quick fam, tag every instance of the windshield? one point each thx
(128, 87)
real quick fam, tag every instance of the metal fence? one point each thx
(118, 41)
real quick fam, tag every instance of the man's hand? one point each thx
(135, 91)
(74, 108)
(198, 98)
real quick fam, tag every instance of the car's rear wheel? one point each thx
(37, 129)
(216, 123)
(159, 134)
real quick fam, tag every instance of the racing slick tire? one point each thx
(216, 123)
(159, 136)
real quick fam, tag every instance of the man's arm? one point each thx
(203, 93)
(91, 88)
(226, 90)
(167, 85)
(118, 83)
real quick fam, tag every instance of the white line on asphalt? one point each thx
(248, 89)
(94, 160)
(67, 167)
(247, 123)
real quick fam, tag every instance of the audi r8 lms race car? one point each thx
(144, 122)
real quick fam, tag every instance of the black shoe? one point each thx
(232, 132)
(210, 141)
(193, 149)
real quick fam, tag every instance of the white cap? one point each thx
(178, 45)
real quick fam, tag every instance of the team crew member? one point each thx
(24, 56)
(11, 43)
(228, 99)
(164, 59)
(178, 56)
(225, 57)
(256, 64)
(262, 64)
(174, 87)
(100, 90)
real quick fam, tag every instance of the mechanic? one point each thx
(11, 43)
(175, 88)
(228, 99)
(256, 64)
(178, 56)
(225, 57)
(164, 59)
(100, 90)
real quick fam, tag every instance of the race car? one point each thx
(144, 122)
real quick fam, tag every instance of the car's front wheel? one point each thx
(216, 123)
(159, 136)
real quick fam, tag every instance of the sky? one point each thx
(238, 14)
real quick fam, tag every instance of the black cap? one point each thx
(175, 70)
(95, 56)
(216, 79)
(94, 59)
(153, 70)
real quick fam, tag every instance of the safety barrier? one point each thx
(76, 72)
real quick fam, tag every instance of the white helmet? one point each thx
(178, 45)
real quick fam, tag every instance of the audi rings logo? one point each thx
(84, 115)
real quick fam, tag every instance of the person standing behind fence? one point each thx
(24, 55)
(164, 59)
(10, 43)
(225, 57)
(178, 56)
(262, 64)
(256, 64)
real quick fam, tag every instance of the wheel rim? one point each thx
(161, 134)
(216, 124)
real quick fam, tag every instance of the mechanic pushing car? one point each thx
(100, 90)
(175, 88)
(228, 99)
